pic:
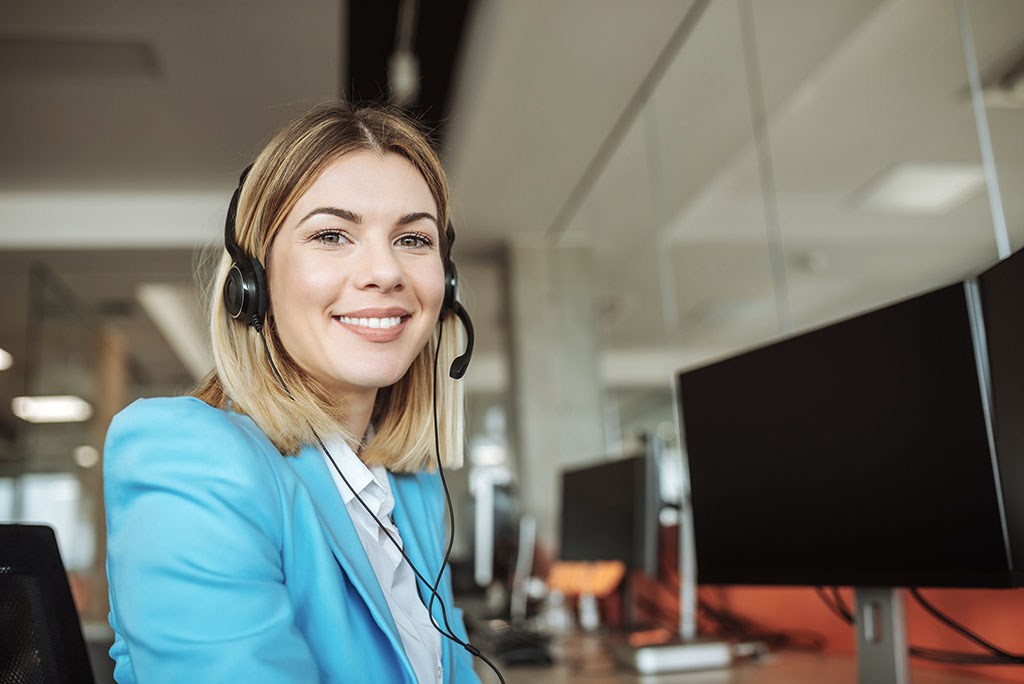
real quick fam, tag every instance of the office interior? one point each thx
(639, 188)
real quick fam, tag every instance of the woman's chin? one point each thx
(367, 382)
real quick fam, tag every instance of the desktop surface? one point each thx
(588, 658)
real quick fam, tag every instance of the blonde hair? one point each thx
(403, 414)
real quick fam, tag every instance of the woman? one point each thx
(271, 528)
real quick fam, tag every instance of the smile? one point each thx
(375, 328)
(389, 322)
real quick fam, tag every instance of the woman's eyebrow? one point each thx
(333, 211)
(353, 217)
(416, 216)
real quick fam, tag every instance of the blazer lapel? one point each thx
(415, 522)
(344, 541)
(424, 537)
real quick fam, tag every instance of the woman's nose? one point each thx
(379, 267)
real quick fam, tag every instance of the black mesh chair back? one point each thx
(40, 635)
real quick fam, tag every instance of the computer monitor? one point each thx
(495, 527)
(610, 512)
(1002, 304)
(862, 453)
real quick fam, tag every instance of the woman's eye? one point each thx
(414, 240)
(329, 237)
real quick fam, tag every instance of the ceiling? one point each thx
(577, 122)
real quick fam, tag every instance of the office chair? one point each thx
(40, 635)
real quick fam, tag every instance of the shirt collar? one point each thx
(370, 484)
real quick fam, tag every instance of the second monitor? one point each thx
(610, 512)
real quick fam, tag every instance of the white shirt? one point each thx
(421, 641)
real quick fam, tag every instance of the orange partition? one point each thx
(994, 615)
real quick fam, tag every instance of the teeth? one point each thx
(372, 322)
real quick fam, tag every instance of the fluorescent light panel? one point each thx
(64, 408)
(923, 188)
(6, 360)
(86, 456)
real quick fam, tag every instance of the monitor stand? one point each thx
(881, 626)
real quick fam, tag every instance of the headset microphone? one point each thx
(451, 286)
(461, 362)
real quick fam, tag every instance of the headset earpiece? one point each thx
(451, 275)
(245, 288)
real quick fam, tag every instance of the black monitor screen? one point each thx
(609, 512)
(852, 455)
(1002, 298)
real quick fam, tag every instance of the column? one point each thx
(555, 373)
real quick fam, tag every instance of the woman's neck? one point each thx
(358, 408)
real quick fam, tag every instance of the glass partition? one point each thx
(779, 179)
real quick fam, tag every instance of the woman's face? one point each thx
(355, 274)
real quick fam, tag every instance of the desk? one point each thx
(585, 660)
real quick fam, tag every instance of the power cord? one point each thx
(997, 656)
(1005, 657)
(735, 626)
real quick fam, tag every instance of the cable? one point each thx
(734, 625)
(444, 484)
(451, 519)
(836, 607)
(957, 627)
(938, 655)
(450, 633)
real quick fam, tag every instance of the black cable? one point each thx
(841, 604)
(733, 625)
(451, 519)
(385, 530)
(444, 484)
(450, 634)
(1014, 658)
(835, 607)
(344, 479)
(938, 655)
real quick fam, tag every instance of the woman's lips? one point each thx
(374, 329)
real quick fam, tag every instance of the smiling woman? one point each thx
(285, 523)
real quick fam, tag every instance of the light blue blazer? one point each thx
(229, 562)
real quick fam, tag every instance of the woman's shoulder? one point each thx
(183, 417)
(185, 437)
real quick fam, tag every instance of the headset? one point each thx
(245, 299)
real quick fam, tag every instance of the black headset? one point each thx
(245, 289)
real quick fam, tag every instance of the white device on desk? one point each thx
(687, 652)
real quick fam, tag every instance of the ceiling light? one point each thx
(52, 409)
(86, 456)
(404, 78)
(922, 188)
(6, 360)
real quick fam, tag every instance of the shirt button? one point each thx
(440, 674)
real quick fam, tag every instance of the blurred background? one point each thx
(639, 187)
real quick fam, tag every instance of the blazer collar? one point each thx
(344, 541)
